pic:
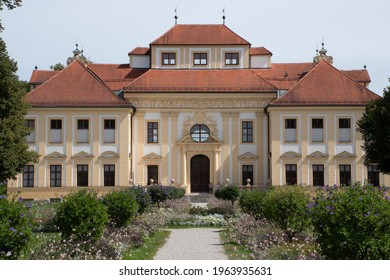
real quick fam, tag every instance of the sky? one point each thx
(355, 32)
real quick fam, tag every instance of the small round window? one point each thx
(200, 133)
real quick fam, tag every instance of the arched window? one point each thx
(200, 133)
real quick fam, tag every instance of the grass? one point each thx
(233, 250)
(36, 240)
(149, 249)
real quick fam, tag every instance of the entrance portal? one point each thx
(200, 173)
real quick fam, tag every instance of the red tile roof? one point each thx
(40, 76)
(284, 75)
(360, 76)
(259, 51)
(140, 51)
(200, 34)
(210, 80)
(326, 85)
(75, 86)
(116, 76)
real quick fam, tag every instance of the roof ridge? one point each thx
(102, 82)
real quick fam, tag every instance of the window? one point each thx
(231, 58)
(55, 131)
(373, 175)
(82, 131)
(200, 133)
(109, 175)
(290, 130)
(247, 131)
(55, 175)
(247, 173)
(200, 58)
(317, 126)
(318, 175)
(345, 130)
(153, 173)
(152, 132)
(28, 176)
(82, 175)
(168, 58)
(109, 131)
(345, 174)
(31, 125)
(291, 174)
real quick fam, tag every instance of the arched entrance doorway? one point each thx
(200, 173)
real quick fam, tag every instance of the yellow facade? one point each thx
(330, 152)
(200, 127)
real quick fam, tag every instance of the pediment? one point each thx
(291, 155)
(55, 155)
(109, 154)
(188, 140)
(247, 156)
(152, 156)
(318, 154)
(82, 155)
(345, 154)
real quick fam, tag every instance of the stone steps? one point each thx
(199, 197)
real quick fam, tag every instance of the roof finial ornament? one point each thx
(365, 67)
(321, 55)
(223, 15)
(176, 17)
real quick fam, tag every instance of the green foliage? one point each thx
(176, 193)
(159, 194)
(121, 207)
(251, 202)
(57, 67)
(82, 216)
(142, 197)
(229, 192)
(10, 4)
(14, 152)
(375, 129)
(15, 227)
(287, 207)
(3, 189)
(352, 222)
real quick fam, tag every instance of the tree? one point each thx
(57, 67)
(10, 4)
(375, 129)
(14, 151)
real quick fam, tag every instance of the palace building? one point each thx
(199, 106)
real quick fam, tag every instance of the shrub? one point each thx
(3, 189)
(158, 194)
(287, 207)
(44, 214)
(181, 205)
(121, 207)
(176, 193)
(222, 207)
(15, 227)
(251, 202)
(229, 192)
(142, 197)
(82, 215)
(200, 211)
(352, 222)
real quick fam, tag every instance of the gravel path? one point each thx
(192, 244)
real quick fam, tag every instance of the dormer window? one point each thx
(231, 58)
(168, 58)
(200, 58)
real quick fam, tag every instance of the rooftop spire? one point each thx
(223, 15)
(176, 17)
(322, 54)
